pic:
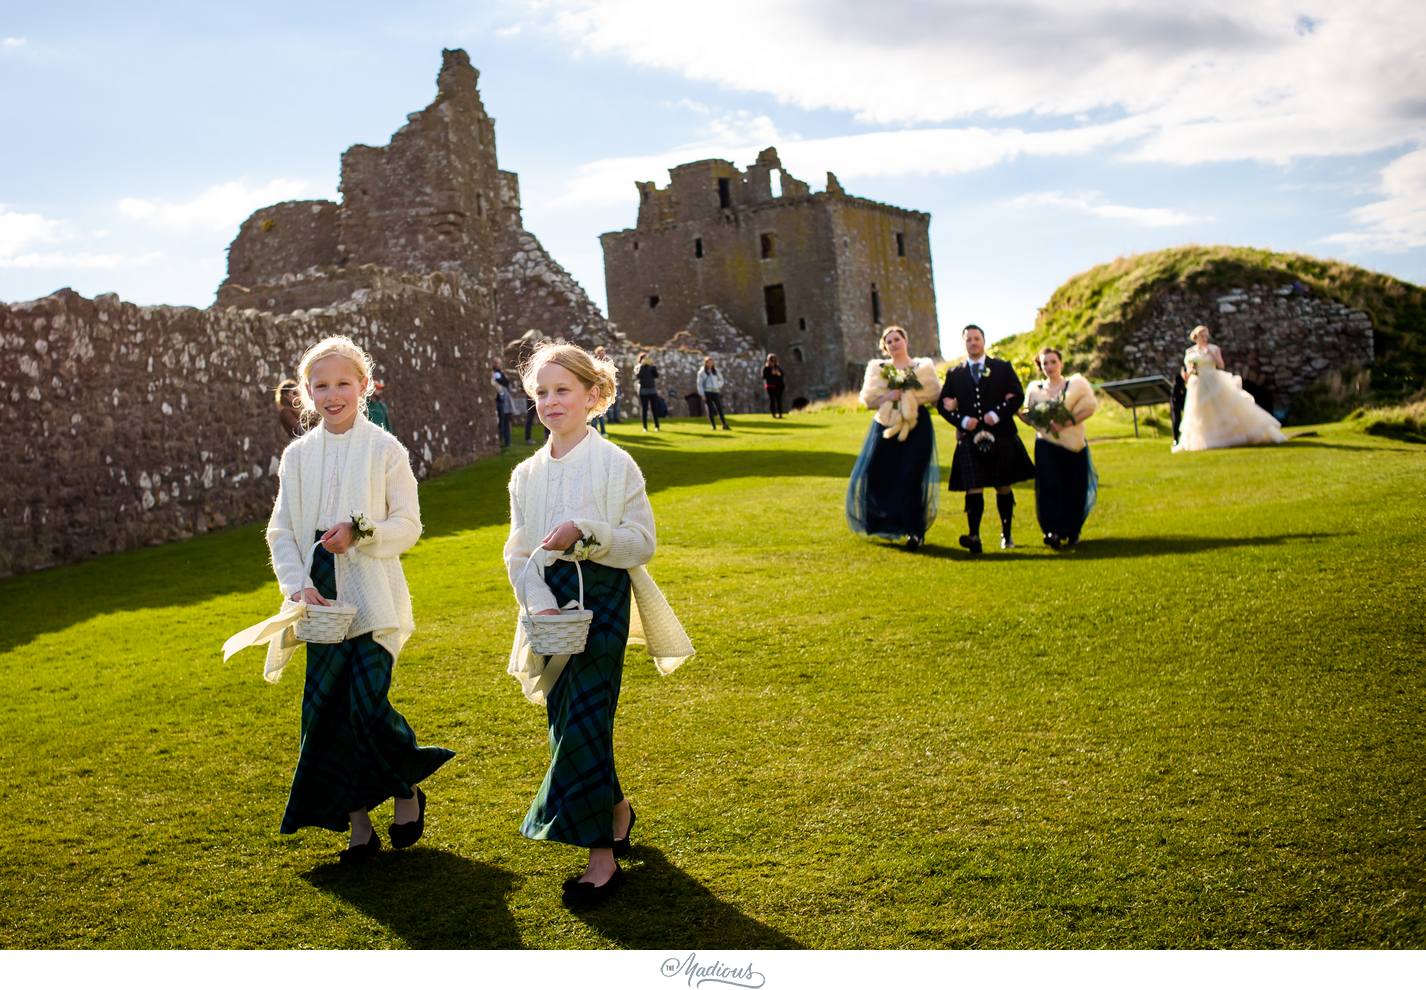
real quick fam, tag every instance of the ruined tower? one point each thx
(813, 277)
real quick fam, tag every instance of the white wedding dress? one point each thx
(1217, 412)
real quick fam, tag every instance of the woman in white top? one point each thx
(349, 486)
(893, 489)
(1066, 484)
(580, 498)
(710, 387)
(1217, 412)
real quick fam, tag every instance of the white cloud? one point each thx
(19, 231)
(1212, 80)
(11, 43)
(1397, 222)
(916, 151)
(25, 237)
(1092, 202)
(61, 260)
(220, 208)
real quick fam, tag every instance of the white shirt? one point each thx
(335, 449)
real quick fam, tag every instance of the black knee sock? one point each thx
(975, 508)
(1005, 505)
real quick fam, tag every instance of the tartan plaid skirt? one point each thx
(575, 803)
(357, 750)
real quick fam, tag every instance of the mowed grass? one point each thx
(1204, 727)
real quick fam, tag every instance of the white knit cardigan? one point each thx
(898, 417)
(376, 482)
(625, 535)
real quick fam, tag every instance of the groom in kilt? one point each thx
(980, 399)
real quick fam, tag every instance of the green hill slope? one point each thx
(1095, 312)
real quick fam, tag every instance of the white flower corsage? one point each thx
(361, 528)
(583, 547)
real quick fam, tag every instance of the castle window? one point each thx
(653, 302)
(636, 245)
(479, 205)
(802, 323)
(900, 244)
(797, 355)
(775, 183)
(725, 194)
(769, 245)
(775, 304)
(698, 247)
(875, 304)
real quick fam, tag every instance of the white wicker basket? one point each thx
(549, 635)
(323, 623)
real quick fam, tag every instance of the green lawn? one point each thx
(1204, 727)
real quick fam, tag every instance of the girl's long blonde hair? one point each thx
(592, 372)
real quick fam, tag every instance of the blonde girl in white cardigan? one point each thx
(581, 498)
(347, 485)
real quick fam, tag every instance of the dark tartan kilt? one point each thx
(357, 750)
(1007, 463)
(575, 802)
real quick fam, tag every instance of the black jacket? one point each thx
(998, 391)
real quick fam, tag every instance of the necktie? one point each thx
(975, 370)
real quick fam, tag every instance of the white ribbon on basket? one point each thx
(291, 613)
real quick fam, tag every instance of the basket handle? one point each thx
(520, 586)
(307, 574)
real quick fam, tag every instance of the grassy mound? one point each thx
(1204, 727)
(1093, 314)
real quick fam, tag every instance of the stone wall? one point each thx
(127, 425)
(282, 238)
(1284, 331)
(794, 270)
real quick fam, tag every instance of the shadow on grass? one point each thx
(1381, 449)
(663, 906)
(429, 898)
(1116, 546)
(234, 560)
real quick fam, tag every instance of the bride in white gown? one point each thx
(1217, 412)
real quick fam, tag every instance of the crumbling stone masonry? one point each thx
(127, 425)
(1283, 332)
(813, 277)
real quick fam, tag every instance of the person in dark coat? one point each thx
(980, 399)
(775, 385)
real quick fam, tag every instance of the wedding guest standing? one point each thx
(774, 384)
(710, 387)
(648, 375)
(288, 398)
(613, 414)
(346, 510)
(1065, 480)
(504, 402)
(892, 492)
(581, 498)
(979, 399)
(376, 407)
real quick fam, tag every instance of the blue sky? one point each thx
(1042, 137)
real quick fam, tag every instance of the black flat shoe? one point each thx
(913, 543)
(1052, 541)
(409, 833)
(621, 846)
(580, 894)
(971, 543)
(362, 853)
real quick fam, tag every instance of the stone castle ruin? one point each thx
(813, 277)
(128, 425)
